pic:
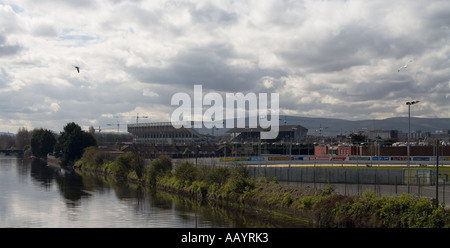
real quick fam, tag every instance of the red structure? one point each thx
(320, 150)
(382, 150)
(348, 150)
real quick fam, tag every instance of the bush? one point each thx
(409, 211)
(186, 172)
(162, 164)
(404, 211)
(307, 202)
(263, 179)
(328, 190)
(239, 185)
(150, 176)
(199, 187)
(287, 199)
(219, 175)
(239, 170)
(126, 163)
(275, 180)
(93, 158)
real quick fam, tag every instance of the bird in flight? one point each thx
(406, 65)
(78, 68)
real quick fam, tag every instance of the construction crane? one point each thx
(97, 129)
(132, 116)
(118, 126)
(320, 130)
(137, 117)
(124, 116)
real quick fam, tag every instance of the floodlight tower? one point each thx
(409, 134)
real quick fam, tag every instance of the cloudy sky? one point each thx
(336, 59)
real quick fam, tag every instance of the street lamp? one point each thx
(290, 146)
(409, 134)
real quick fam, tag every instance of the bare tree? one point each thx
(23, 138)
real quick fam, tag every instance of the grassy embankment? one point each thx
(233, 183)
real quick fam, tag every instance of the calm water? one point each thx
(33, 194)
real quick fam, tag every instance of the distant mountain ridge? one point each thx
(333, 126)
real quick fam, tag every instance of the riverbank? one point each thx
(218, 184)
(270, 217)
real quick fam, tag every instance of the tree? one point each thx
(7, 141)
(23, 138)
(72, 142)
(357, 138)
(42, 142)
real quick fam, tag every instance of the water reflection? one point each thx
(34, 194)
(69, 184)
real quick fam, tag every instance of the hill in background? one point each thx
(333, 127)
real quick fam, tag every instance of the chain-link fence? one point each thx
(354, 181)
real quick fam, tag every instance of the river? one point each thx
(34, 194)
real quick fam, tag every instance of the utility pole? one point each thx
(118, 130)
(409, 134)
(437, 173)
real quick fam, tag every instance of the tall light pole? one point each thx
(290, 146)
(409, 134)
(437, 173)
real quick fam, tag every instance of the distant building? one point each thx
(414, 135)
(162, 133)
(381, 134)
(367, 150)
(441, 134)
(286, 133)
(348, 150)
(321, 150)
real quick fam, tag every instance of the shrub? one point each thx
(239, 170)
(126, 163)
(287, 199)
(239, 185)
(199, 187)
(275, 180)
(409, 211)
(218, 175)
(263, 179)
(328, 190)
(186, 172)
(93, 158)
(162, 164)
(307, 202)
(150, 176)
(404, 211)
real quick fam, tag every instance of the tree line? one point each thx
(68, 145)
(19, 141)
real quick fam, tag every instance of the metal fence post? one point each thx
(396, 185)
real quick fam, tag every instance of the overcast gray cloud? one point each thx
(334, 59)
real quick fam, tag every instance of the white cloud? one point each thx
(325, 58)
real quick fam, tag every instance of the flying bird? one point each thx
(78, 68)
(405, 66)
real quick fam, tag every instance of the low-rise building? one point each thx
(320, 150)
(348, 150)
